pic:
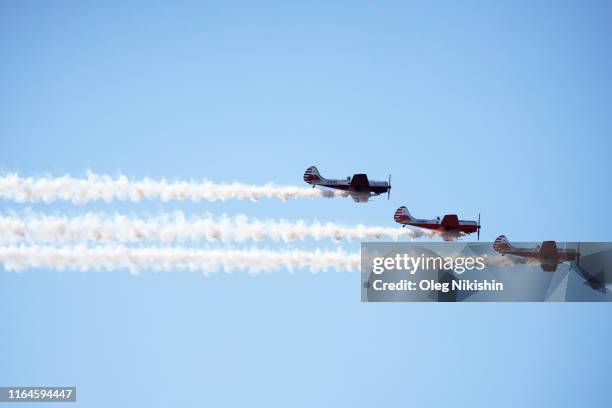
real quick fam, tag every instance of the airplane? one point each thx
(358, 187)
(547, 253)
(596, 273)
(450, 227)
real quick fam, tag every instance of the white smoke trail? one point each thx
(208, 261)
(496, 260)
(103, 187)
(110, 258)
(176, 227)
(508, 261)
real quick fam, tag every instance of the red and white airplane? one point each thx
(547, 253)
(358, 187)
(450, 227)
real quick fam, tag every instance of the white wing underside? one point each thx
(360, 197)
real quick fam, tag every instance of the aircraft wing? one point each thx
(450, 221)
(547, 267)
(360, 198)
(359, 182)
(451, 236)
(549, 248)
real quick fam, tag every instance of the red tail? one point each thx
(501, 244)
(312, 175)
(402, 215)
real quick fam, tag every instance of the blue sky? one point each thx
(501, 109)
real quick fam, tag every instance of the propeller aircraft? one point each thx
(359, 187)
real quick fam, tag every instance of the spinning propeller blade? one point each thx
(389, 188)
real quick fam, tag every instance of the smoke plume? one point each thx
(110, 258)
(103, 187)
(166, 228)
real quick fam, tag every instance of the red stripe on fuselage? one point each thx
(347, 187)
(467, 229)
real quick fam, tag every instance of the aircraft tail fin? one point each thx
(402, 215)
(312, 175)
(501, 244)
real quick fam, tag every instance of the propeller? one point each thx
(478, 226)
(389, 188)
(578, 254)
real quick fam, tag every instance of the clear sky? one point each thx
(502, 109)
